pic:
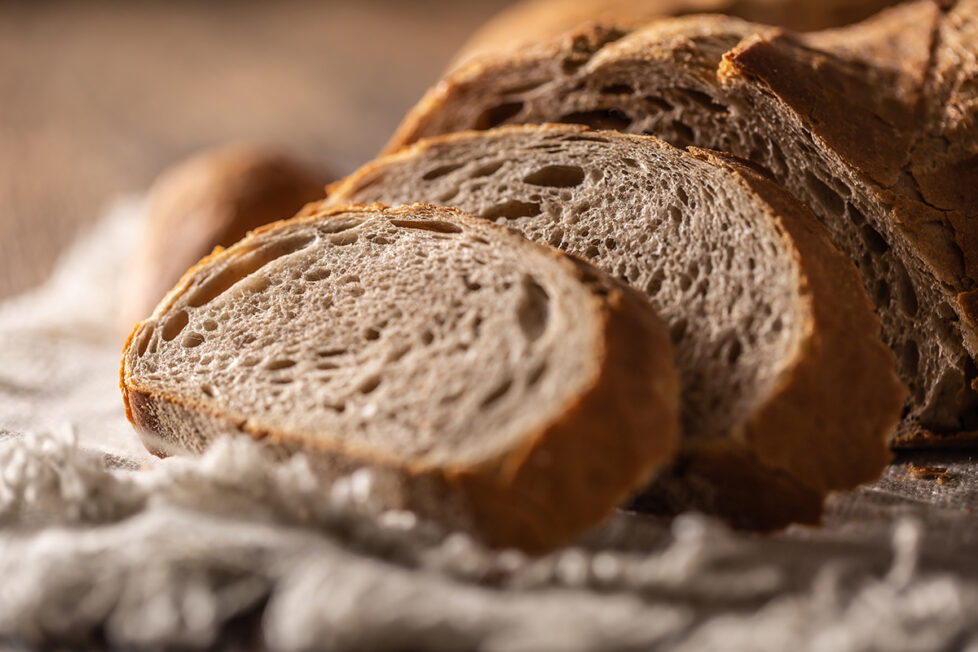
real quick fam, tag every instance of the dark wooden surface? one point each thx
(97, 97)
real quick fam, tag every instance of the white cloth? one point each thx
(102, 544)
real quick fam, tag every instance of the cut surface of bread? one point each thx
(778, 350)
(835, 117)
(523, 387)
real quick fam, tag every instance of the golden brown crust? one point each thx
(844, 442)
(564, 478)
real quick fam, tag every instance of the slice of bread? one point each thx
(835, 117)
(784, 379)
(211, 199)
(509, 388)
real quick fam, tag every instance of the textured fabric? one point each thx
(102, 544)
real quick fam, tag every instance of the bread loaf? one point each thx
(872, 126)
(787, 392)
(508, 388)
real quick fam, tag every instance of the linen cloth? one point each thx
(103, 545)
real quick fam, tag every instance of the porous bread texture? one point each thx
(837, 126)
(766, 316)
(211, 199)
(509, 388)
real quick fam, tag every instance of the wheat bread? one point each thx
(208, 200)
(835, 117)
(783, 376)
(500, 386)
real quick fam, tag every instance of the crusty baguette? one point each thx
(208, 200)
(509, 388)
(872, 126)
(787, 391)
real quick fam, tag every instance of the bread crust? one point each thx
(564, 477)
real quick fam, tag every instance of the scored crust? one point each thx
(565, 475)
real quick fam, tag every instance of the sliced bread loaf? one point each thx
(834, 117)
(787, 391)
(507, 387)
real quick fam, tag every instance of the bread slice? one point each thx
(509, 388)
(834, 117)
(784, 379)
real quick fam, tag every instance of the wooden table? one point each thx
(97, 97)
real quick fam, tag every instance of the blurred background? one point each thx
(97, 97)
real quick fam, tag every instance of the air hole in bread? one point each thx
(497, 393)
(512, 210)
(371, 334)
(533, 312)
(441, 171)
(685, 282)
(327, 366)
(369, 384)
(496, 115)
(906, 297)
(630, 162)
(704, 100)
(249, 361)
(659, 103)
(192, 340)
(174, 325)
(617, 89)
(427, 337)
(882, 292)
(144, 339)
(611, 119)
(282, 380)
(337, 407)
(329, 353)
(675, 214)
(280, 363)
(556, 176)
(855, 215)
(318, 274)
(470, 285)
(823, 194)
(398, 352)
(449, 195)
(243, 267)
(654, 285)
(486, 169)
(345, 238)
(873, 240)
(556, 238)
(436, 226)
(734, 350)
(207, 390)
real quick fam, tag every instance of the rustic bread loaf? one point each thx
(509, 388)
(835, 117)
(784, 379)
(211, 199)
